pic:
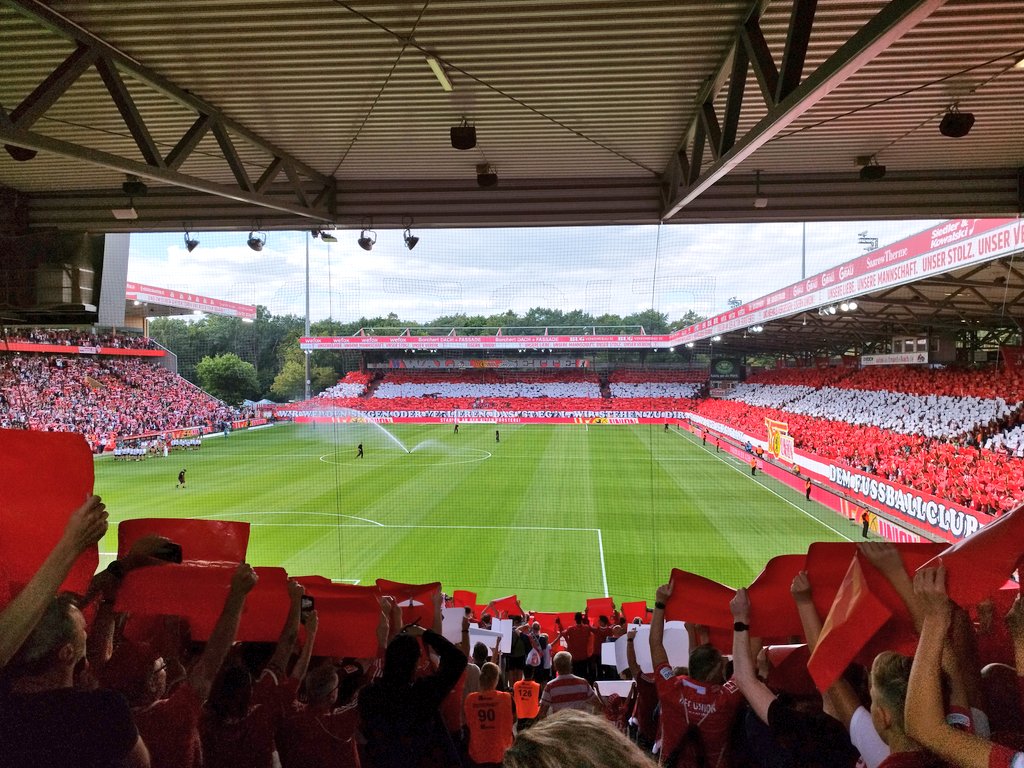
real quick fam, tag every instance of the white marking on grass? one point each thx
(600, 549)
(345, 581)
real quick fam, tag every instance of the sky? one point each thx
(613, 269)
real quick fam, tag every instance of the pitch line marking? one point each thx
(487, 455)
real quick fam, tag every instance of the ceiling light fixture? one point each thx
(328, 237)
(20, 154)
(463, 135)
(133, 187)
(760, 201)
(872, 170)
(486, 176)
(409, 237)
(956, 124)
(439, 72)
(367, 238)
(257, 238)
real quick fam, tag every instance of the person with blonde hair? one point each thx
(574, 739)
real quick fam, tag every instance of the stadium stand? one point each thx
(75, 338)
(106, 400)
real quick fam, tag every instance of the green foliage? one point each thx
(229, 378)
(271, 343)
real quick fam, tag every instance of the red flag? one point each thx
(773, 612)
(636, 609)
(826, 564)
(348, 625)
(206, 540)
(788, 670)
(504, 607)
(978, 566)
(416, 600)
(856, 615)
(47, 476)
(868, 616)
(600, 606)
(462, 598)
(317, 586)
(699, 600)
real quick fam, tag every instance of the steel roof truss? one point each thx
(888, 25)
(53, 87)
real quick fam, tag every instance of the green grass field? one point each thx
(554, 514)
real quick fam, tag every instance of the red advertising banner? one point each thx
(190, 301)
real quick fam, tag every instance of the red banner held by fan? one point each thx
(205, 540)
(416, 600)
(773, 612)
(977, 567)
(699, 600)
(635, 610)
(348, 625)
(47, 476)
(599, 606)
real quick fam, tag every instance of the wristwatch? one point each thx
(739, 626)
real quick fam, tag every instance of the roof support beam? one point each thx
(112, 65)
(38, 142)
(887, 26)
(796, 47)
(53, 87)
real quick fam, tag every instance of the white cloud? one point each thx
(483, 271)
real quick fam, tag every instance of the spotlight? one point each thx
(20, 154)
(689, 345)
(134, 187)
(956, 124)
(257, 240)
(191, 243)
(832, 310)
(716, 338)
(328, 237)
(463, 135)
(872, 171)
(365, 240)
(410, 240)
(486, 176)
(853, 305)
(844, 307)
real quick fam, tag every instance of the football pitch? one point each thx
(554, 514)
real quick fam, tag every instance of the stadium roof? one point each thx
(302, 114)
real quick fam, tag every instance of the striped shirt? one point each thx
(568, 692)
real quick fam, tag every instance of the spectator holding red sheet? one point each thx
(401, 714)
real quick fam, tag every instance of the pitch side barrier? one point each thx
(181, 433)
(897, 512)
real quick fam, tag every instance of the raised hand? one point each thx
(740, 606)
(800, 589)
(86, 525)
(930, 588)
(244, 579)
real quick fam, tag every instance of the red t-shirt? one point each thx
(646, 701)
(311, 737)
(712, 708)
(249, 740)
(1004, 757)
(170, 729)
(489, 720)
(577, 640)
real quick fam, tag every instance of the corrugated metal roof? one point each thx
(579, 106)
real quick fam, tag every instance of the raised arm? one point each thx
(886, 558)
(84, 528)
(223, 636)
(925, 718)
(302, 664)
(289, 632)
(757, 694)
(631, 661)
(657, 638)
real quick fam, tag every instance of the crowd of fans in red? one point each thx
(76, 338)
(77, 692)
(104, 399)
